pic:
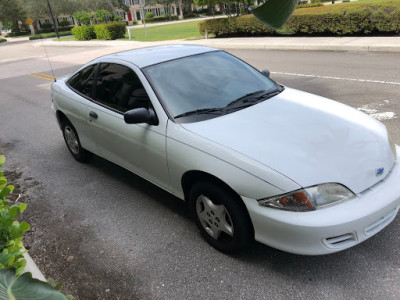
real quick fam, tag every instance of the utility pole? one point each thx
(142, 4)
(54, 21)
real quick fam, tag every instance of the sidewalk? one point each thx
(371, 44)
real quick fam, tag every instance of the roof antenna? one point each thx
(48, 59)
(58, 36)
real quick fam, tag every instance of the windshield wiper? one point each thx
(245, 98)
(250, 99)
(199, 112)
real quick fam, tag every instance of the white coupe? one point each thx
(254, 159)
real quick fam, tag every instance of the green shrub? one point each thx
(341, 20)
(360, 20)
(83, 17)
(149, 15)
(190, 16)
(3, 40)
(11, 231)
(46, 26)
(84, 33)
(308, 5)
(110, 31)
(64, 23)
(117, 18)
(18, 33)
(49, 35)
(246, 25)
(103, 15)
(161, 19)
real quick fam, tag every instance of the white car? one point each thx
(255, 160)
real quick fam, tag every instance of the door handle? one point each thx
(93, 115)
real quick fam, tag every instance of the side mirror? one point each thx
(266, 73)
(141, 115)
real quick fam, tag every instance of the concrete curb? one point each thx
(365, 44)
(33, 268)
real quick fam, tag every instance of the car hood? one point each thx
(307, 138)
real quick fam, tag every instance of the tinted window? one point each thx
(83, 81)
(211, 80)
(119, 88)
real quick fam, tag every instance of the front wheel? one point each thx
(221, 217)
(72, 140)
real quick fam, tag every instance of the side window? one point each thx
(83, 81)
(120, 88)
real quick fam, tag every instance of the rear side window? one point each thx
(83, 81)
(119, 88)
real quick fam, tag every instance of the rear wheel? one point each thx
(72, 140)
(222, 219)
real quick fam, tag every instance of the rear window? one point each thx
(83, 81)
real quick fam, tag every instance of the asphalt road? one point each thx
(107, 234)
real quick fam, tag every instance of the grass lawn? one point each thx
(66, 38)
(166, 32)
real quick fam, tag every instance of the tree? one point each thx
(12, 11)
(166, 3)
(37, 9)
(209, 3)
(103, 15)
(83, 17)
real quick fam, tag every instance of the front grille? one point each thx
(381, 223)
(340, 241)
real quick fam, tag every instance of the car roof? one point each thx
(153, 55)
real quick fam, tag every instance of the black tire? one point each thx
(71, 139)
(235, 216)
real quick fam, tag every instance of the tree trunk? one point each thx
(16, 26)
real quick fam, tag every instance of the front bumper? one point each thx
(333, 228)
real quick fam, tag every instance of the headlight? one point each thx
(309, 199)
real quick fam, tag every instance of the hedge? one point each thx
(3, 40)
(110, 31)
(308, 5)
(49, 35)
(149, 15)
(356, 19)
(84, 32)
(240, 26)
(161, 19)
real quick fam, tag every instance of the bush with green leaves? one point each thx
(246, 25)
(83, 17)
(110, 31)
(149, 15)
(308, 5)
(103, 15)
(340, 20)
(14, 284)
(84, 32)
(64, 23)
(11, 231)
(190, 16)
(46, 26)
(162, 19)
(117, 18)
(3, 40)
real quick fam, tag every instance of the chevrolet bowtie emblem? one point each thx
(379, 172)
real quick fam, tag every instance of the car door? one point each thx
(74, 103)
(140, 148)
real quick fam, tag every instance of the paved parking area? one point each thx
(107, 234)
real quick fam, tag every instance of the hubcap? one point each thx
(215, 219)
(71, 139)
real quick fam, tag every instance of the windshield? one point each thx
(212, 83)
